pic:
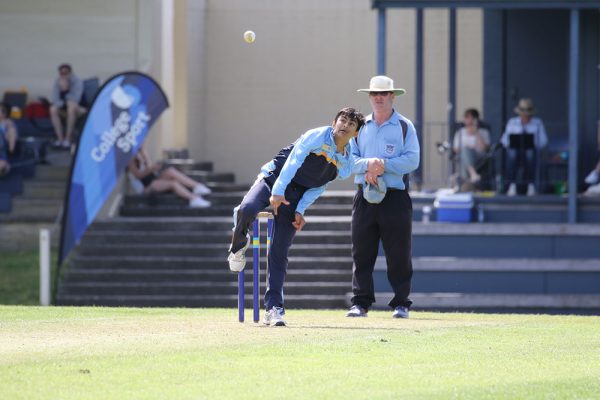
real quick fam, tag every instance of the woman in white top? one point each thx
(470, 144)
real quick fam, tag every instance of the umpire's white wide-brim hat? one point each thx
(381, 83)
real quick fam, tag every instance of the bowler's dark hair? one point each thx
(472, 112)
(352, 114)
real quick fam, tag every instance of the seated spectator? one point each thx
(156, 178)
(8, 138)
(594, 176)
(66, 95)
(523, 156)
(470, 144)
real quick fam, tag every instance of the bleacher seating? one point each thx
(5, 202)
(11, 183)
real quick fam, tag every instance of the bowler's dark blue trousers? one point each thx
(256, 200)
(390, 221)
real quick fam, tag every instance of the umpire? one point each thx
(385, 151)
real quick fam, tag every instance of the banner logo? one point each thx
(124, 110)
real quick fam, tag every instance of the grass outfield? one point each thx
(20, 277)
(127, 353)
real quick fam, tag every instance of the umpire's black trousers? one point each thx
(391, 222)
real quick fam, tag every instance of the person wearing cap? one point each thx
(386, 149)
(291, 182)
(524, 123)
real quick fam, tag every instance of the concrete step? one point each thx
(204, 262)
(166, 288)
(52, 173)
(36, 202)
(306, 301)
(173, 211)
(221, 187)
(205, 176)
(181, 209)
(101, 237)
(499, 275)
(221, 223)
(515, 245)
(201, 249)
(34, 207)
(232, 199)
(42, 189)
(198, 275)
(455, 264)
(187, 165)
(33, 215)
(500, 302)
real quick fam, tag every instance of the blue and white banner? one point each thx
(124, 109)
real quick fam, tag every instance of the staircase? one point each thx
(181, 262)
(37, 207)
(42, 196)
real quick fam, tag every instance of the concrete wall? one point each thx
(233, 103)
(98, 38)
(307, 62)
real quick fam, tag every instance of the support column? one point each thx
(167, 71)
(419, 71)
(171, 71)
(381, 32)
(573, 114)
(451, 69)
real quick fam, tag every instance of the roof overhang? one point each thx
(487, 4)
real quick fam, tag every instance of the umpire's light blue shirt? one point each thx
(319, 141)
(386, 142)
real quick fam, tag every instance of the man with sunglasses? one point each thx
(385, 150)
(66, 95)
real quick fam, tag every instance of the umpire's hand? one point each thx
(276, 201)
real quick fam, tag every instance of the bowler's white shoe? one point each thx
(274, 317)
(531, 190)
(512, 190)
(237, 260)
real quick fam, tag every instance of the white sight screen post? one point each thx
(44, 267)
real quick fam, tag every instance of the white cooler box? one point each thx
(454, 207)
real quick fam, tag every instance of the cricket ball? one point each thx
(249, 36)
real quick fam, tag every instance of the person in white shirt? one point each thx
(594, 176)
(525, 123)
(470, 144)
